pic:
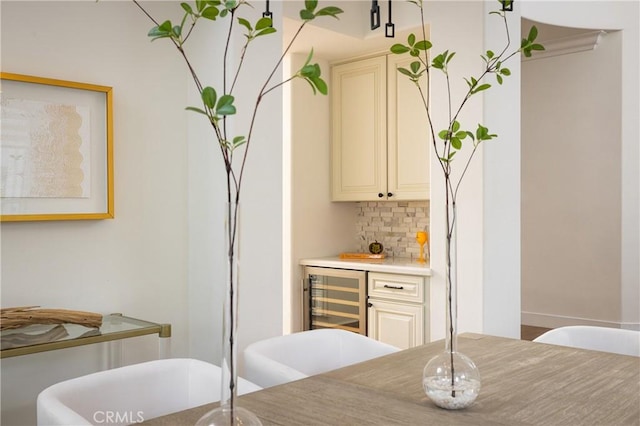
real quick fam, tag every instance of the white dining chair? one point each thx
(604, 339)
(295, 356)
(132, 394)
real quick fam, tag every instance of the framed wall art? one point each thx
(56, 149)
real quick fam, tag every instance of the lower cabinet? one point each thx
(396, 309)
(392, 308)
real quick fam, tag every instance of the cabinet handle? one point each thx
(369, 304)
(399, 287)
(380, 195)
(389, 194)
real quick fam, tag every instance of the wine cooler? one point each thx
(335, 298)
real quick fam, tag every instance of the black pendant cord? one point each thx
(267, 13)
(375, 14)
(390, 28)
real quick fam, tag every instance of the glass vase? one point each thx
(450, 379)
(229, 413)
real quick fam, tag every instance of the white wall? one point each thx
(571, 190)
(318, 227)
(616, 15)
(501, 187)
(261, 275)
(135, 263)
(465, 39)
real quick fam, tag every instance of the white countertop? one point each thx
(389, 265)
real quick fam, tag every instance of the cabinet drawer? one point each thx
(409, 288)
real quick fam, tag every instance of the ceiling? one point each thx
(350, 36)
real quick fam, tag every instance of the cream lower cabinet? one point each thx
(396, 309)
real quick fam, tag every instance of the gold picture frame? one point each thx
(56, 148)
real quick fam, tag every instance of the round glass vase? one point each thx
(229, 413)
(450, 379)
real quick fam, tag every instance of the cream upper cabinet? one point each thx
(380, 149)
(408, 140)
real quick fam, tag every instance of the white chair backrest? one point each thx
(133, 393)
(295, 356)
(605, 339)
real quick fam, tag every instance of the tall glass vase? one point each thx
(229, 413)
(451, 380)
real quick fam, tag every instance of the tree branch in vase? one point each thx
(451, 380)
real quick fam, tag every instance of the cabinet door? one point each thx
(398, 324)
(359, 116)
(409, 141)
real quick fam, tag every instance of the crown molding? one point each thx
(566, 45)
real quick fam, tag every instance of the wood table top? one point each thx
(523, 383)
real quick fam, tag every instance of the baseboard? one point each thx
(554, 321)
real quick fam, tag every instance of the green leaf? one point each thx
(449, 157)
(209, 97)
(490, 54)
(329, 11)
(264, 23)
(238, 141)
(200, 5)
(537, 47)
(481, 88)
(166, 26)
(198, 110)
(423, 45)
(461, 134)
(415, 66)
(505, 71)
(451, 56)
(438, 62)
(533, 33)
(225, 105)
(411, 39)
(187, 8)
(311, 70)
(210, 13)
(157, 33)
(310, 5)
(456, 143)
(499, 78)
(245, 24)
(308, 58)
(399, 49)
(269, 30)
(320, 85)
(455, 126)
(306, 15)
(405, 72)
(443, 134)
(482, 133)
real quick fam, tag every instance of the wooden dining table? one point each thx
(523, 383)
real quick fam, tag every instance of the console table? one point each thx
(40, 338)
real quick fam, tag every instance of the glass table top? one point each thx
(39, 337)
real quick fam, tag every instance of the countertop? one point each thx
(389, 265)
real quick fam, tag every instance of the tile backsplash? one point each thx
(394, 224)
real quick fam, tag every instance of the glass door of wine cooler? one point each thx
(335, 298)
